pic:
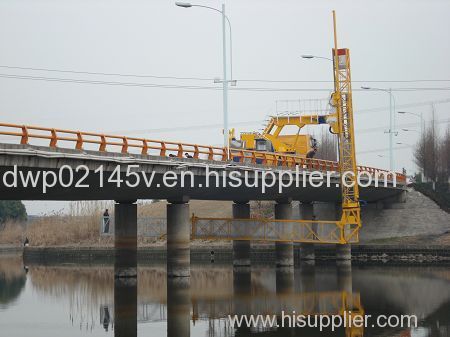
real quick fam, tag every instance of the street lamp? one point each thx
(224, 81)
(411, 130)
(183, 4)
(422, 121)
(307, 56)
(391, 130)
(422, 131)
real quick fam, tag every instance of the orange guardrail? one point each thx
(106, 142)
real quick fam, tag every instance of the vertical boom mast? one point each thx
(351, 218)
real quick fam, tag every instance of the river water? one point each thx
(81, 300)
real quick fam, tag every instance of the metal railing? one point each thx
(148, 227)
(112, 143)
(254, 229)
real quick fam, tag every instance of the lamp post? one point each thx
(411, 130)
(225, 80)
(307, 56)
(421, 132)
(391, 130)
(422, 121)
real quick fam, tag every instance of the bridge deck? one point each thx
(36, 158)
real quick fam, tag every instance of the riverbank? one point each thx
(361, 254)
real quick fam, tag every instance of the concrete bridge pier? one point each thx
(343, 252)
(396, 201)
(343, 262)
(241, 248)
(178, 239)
(284, 251)
(307, 249)
(178, 307)
(125, 239)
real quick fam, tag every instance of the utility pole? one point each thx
(391, 130)
(391, 133)
(224, 80)
(225, 84)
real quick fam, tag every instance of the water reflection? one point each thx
(125, 307)
(198, 306)
(178, 307)
(12, 280)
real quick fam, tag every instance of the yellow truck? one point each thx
(272, 139)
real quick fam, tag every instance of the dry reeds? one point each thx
(81, 226)
(11, 233)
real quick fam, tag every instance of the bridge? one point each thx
(75, 156)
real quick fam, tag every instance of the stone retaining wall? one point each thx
(361, 254)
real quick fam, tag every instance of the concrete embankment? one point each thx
(361, 254)
(10, 249)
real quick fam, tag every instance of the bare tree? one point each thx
(444, 157)
(426, 153)
(419, 153)
(327, 147)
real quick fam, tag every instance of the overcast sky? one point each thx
(389, 41)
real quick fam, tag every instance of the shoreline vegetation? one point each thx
(81, 226)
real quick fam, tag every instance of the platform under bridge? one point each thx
(253, 229)
(274, 230)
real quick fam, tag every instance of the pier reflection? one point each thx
(178, 307)
(125, 307)
(213, 295)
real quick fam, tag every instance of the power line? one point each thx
(182, 128)
(384, 149)
(407, 105)
(260, 121)
(330, 81)
(106, 74)
(67, 71)
(195, 87)
(403, 125)
(112, 83)
(218, 125)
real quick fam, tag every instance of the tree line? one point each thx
(12, 210)
(432, 154)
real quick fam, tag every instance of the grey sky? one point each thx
(388, 40)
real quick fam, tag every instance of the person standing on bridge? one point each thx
(313, 151)
(106, 222)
